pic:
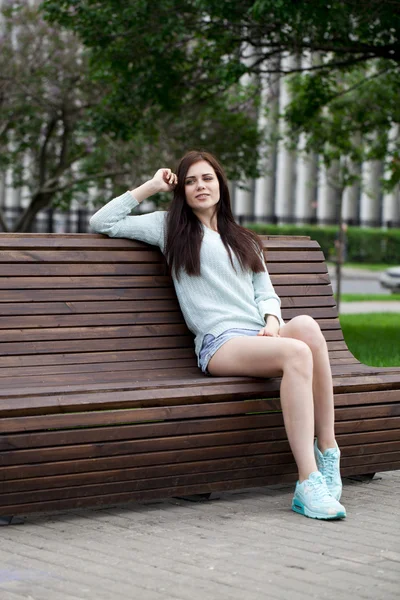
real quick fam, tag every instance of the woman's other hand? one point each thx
(271, 328)
(165, 180)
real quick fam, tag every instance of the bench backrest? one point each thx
(86, 298)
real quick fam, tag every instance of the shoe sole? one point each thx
(303, 510)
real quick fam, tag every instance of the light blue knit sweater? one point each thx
(218, 299)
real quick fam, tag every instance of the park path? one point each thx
(247, 545)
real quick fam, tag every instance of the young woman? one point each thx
(228, 302)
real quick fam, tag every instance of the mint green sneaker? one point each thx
(328, 464)
(313, 499)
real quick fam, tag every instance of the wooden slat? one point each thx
(72, 363)
(15, 374)
(33, 289)
(82, 241)
(148, 300)
(156, 312)
(151, 313)
(131, 268)
(73, 339)
(87, 333)
(149, 354)
(87, 270)
(79, 256)
(125, 372)
(113, 344)
(296, 269)
(302, 279)
(137, 256)
(160, 302)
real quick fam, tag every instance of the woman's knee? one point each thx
(307, 330)
(299, 358)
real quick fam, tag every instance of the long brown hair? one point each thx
(184, 230)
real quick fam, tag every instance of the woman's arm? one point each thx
(113, 219)
(268, 302)
(163, 181)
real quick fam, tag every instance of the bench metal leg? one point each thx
(11, 521)
(199, 497)
(363, 477)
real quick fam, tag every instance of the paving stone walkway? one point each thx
(246, 545)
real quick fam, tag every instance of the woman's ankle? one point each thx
(325, 443)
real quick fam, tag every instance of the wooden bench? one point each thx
(101, 399)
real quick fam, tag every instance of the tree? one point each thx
(347, 120)
(51, 133)
(188, 51)
(45, 104)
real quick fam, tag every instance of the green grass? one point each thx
(366, 266)
(369, 267)
(373, 338)
(370, 297)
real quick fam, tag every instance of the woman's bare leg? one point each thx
(307, 330)
(271, 357)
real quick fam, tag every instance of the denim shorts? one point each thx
(211, 344)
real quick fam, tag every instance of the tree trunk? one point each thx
(3, 224)
(340, 246)
(40, 201)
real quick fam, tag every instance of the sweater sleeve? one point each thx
(114, 220)
(267, 300)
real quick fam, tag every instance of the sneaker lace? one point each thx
(320, 489)
(329, 467)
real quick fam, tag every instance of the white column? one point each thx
(370, 193)
(391, 200)
(350, 202)
(243, 199)
(306, 182)
(285, 158)
(268, 123)
(243, 189)
(327, 195)
(391, 207)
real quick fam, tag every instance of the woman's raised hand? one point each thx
(165, 180)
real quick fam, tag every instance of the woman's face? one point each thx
(201, 187)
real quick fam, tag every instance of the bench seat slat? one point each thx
(162, 370)
(9, 338)
(94, 368)
(114, 357)
(364, 376)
